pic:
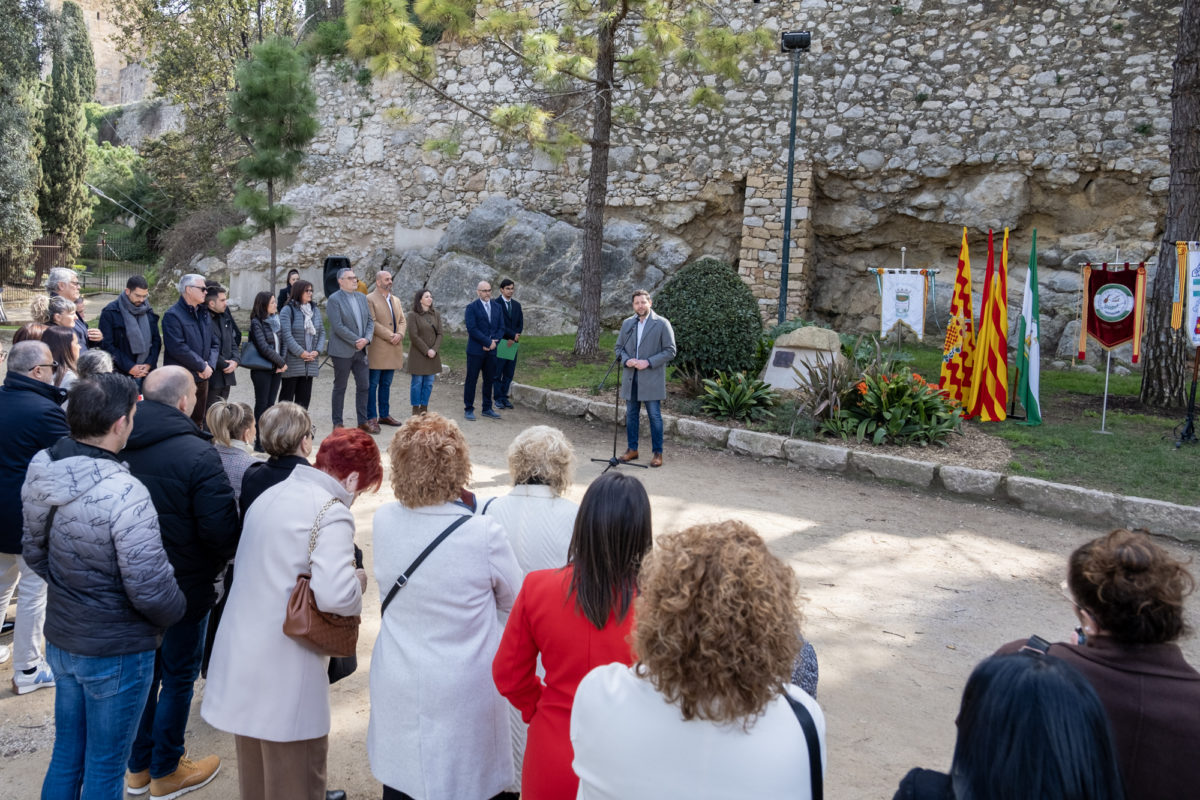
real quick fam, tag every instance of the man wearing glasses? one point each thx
(64, 282)
(350, 331)
(32, 420)
(185, 334)
(483, 332)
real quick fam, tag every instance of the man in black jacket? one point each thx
(198, 518)
(32, 420)
(187, 341)
(226, 350)
(512, 323)
(130, 329)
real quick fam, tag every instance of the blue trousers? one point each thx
(381, 385)
(420, 388)
(504, 376)
(159, 743)
(653, 413)
(486, 364)
(98, 701)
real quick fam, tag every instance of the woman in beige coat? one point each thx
(425, 352)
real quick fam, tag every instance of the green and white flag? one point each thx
(1030, 357)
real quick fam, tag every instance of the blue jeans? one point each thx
(653, 412)
(98, 701)
(381, 383)
(159, 743)
(420, 389)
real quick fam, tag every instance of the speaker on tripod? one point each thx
(333, 265)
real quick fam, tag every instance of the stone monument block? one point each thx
(801, 350)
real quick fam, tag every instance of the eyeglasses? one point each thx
(484, 291)
(312, 433)
(201, 287)
(51, 365)
(73, 283)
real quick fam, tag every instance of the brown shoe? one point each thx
(137, 782)
(370, 426)
(389, 420)
(187, 777)
(657, 460)
(337, 425)
(630, 455)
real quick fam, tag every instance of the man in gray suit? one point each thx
(645, 346)
(350, 329)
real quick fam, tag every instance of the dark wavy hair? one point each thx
(612, 534)
(1031, 726)
(262, 301)
(296, 293)
(417, 300)
(1131, 587)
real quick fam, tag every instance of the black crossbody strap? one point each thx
(815, 769)
(485, 506)
(407, 574)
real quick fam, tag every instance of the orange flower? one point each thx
(862, 387)
(918, 378)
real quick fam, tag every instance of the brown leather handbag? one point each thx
(319, 631)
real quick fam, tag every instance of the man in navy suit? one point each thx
(483, 332)
(512, 322)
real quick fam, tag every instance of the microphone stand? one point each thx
(614, 461)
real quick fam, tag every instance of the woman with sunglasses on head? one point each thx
(1128, 593)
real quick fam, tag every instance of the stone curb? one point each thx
(1076, 504)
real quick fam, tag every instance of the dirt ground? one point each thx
(905, 593)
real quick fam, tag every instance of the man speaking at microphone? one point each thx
(645, 346)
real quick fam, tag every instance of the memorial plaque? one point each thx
(783, 359)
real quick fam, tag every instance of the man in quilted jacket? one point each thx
(92, 534)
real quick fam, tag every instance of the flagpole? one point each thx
(1189, 427)
(1104, 408)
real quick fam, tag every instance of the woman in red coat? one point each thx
(575, 618)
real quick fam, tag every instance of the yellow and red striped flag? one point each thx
(958, 351)
(989, 394)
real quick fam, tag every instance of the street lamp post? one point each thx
(794, 42)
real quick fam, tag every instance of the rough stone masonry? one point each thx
(915, 119)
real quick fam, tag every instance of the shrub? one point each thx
(896, 408)
(327, 42)
(819, 390)
(737, 397)
(715, 318)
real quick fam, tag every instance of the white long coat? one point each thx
(260, 682)
(439, 730)
(539, 525)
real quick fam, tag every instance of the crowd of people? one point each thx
(527, 646)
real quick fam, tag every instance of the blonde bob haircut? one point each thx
(542, 455)
(431, 462)
(717, 622)
(228, 421)
(282, 428)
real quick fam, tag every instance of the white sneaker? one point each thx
(5, 653)
(41, 678)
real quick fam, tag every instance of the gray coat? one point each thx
(343, 331)
(111, 589)
(291, 324)
(657, 347)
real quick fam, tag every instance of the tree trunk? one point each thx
(270, 207)
(587, 337)
(1167, 350)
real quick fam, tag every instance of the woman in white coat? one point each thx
(269, 690)
(439, 729)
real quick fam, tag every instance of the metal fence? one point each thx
(104, 264)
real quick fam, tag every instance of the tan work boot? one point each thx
(189, 775)
(137, 782)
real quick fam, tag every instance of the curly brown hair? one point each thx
(717, 622)
(431, 462)
(1131, 587)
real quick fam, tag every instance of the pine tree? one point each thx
(19, 172)
(63, 202)
(79, 47)
(272, 111)
(587, 57)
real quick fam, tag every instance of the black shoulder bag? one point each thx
(407, 574)
(815, 769)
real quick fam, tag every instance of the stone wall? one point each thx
(916, 118)
(114, 83)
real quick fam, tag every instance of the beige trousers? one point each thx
(281, 770)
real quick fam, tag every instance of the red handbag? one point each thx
(319, 631)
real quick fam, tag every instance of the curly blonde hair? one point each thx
(544, 455)
(431, 462)
(717, 622)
